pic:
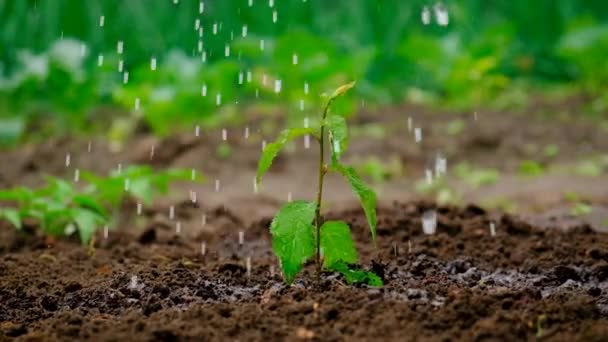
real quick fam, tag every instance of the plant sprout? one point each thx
(298, 231)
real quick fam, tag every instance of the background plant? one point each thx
(59, 208)
(298, 231)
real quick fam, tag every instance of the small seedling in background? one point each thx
(298, 233)
(60, 209)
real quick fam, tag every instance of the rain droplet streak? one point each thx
(203, 220)
(246, 132)
(289, 196)
(197, 131)
(119, 168)
(301, 105)
(418, 134)
(429, 176)
(425, 15)
(441, 14)
(68, 158)
(193, 174)
(204, 90)
(178, 227)
(492, 229)
(263, 145)
(193, 196)
(277, 86)
(139, 208)
(89, 146)
(255, 185)
(105, 232)
(76, 175)
(262, 44)
(100, 60)
(248, 266)
(201, 7)
(227, 50)
(241, 238)
(409, 124)
(125, 77)
(217, 185)
(244, 31)
(307, 141)
(306, 88)
(120, 45)
(171, 212)
(441, 166)
(294, 59)
(429, 222)
(152, 149)
(153, 63)
(137, 103)
(275, 16)
(218, 99)
(102, 20)
(203, 248)
(224, 134)
(271, 3)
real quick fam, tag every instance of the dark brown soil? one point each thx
(459, 284)
(533, 280)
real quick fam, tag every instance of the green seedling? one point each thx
(61, 209)
(298, 231)
(58, 208)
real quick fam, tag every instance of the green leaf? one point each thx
(354, 275)
(87, 221)
(89, 202)
(293, 238)
(342, 90)
(271, 150)
(338, 131)
(337, 244)
(12, 216)
(366, 195)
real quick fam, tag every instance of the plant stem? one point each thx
(322, 171)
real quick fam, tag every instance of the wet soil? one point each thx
(459, 284)
(541, 277)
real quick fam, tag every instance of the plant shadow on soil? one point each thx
(459, 284)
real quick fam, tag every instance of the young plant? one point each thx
(298, 233)
(60, 209)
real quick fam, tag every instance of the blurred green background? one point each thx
(59, 67)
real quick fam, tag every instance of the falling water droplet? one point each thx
(271, 3)
(429, 222)
(418, 134)
(201, 7)
(120, 45)
(171, 212)
(139, 208)
(425, 15)
(492, 229)
(244, 31)
(255, 185)
(441, 14)
(262, 44)
(241, 238)
(105, 232)
(100, 60)
(203, 248)
(241, 77)
(178, 227)
(307, 141)
(76, 175)
(127, 184)
(246, 132)
(249, 77)
(204, 90)
(409, 124)
(193, 174)
(119, 168)
(277, 86)
(120, 65)
(429, 176)
(289, 196)
(203, 220)
(217, 185)
(197, 131)
(275, 16)
(248, 266)
(153, 63)
(152, 152)
(89, 146)
(68, 159)
(263, 145)
(125, 77)
(193, 196)
(102, 20)
(294, 59)
(218, 99)
(137, 103)
(224, 134)
(227, 50)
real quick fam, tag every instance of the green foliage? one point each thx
(475, 176)
(271, 150)
(61, 209)
(292, 236)
(530, 168)
(366, 195)
(292, 229)
(379, 171)
(58, 208)
(354, 275)
(337, 244)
